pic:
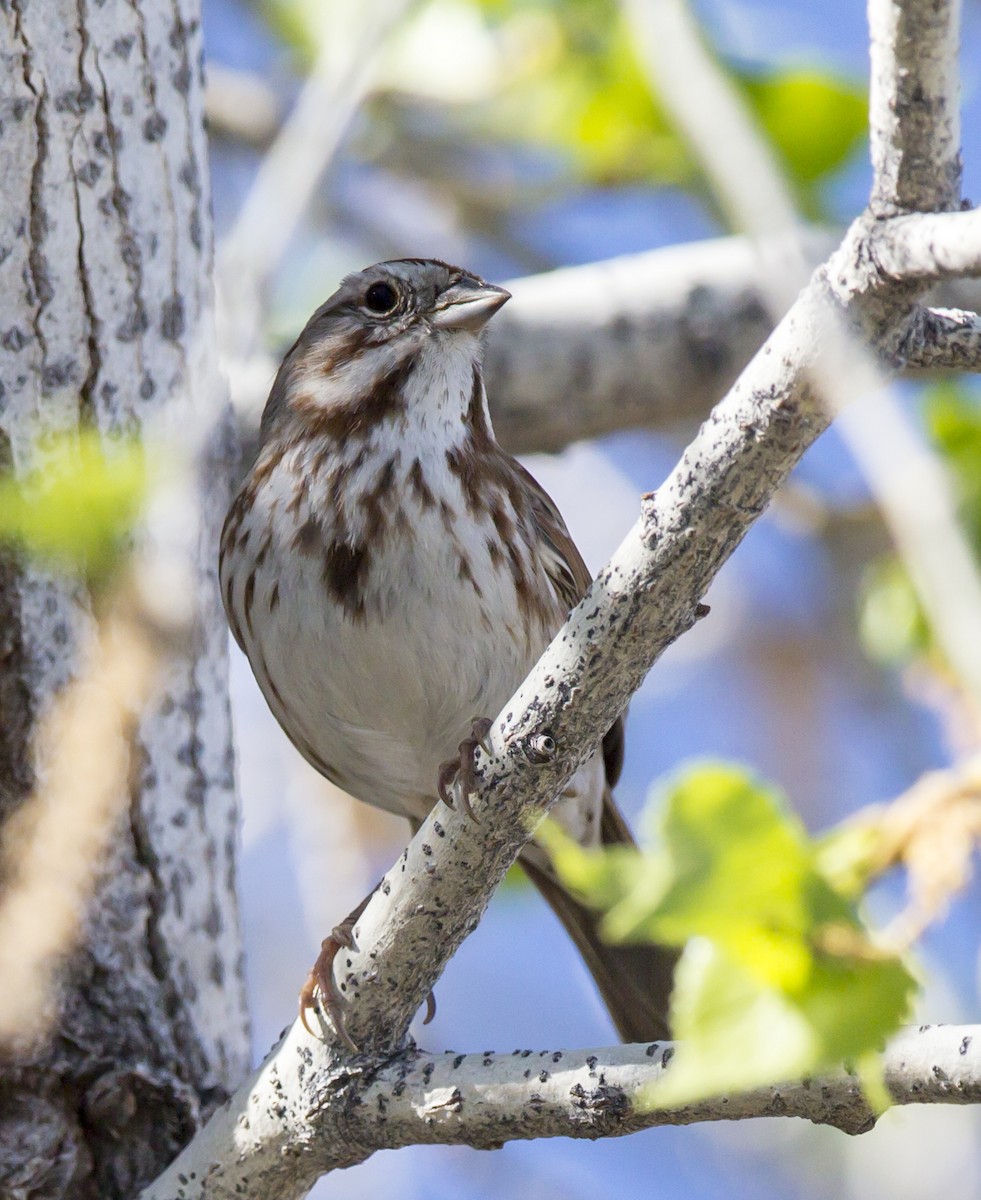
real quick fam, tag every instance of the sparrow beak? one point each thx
(469, 304)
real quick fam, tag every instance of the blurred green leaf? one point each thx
(584, 93)
(569, 78)
(779, 977)
(76, 510)
(735, 1033)
(892, 624)
(299, 24)
(953, 416)
(814, 121)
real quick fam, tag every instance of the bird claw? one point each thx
(456, 778)
(480, 727)
(320, 982)
(321, 992)
(320, 986)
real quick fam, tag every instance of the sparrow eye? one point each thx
(381, 298)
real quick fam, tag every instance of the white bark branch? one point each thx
(483, 1100)
(946, 339)
(643, 340)
(297, 1123)
(930, 247)
(914, 110)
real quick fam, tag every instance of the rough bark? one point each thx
(106, 320)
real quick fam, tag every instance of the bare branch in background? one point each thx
(240, 104)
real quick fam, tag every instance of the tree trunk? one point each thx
(106, 320)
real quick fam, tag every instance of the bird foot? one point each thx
(321, 988)
(456, 778)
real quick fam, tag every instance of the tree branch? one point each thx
(914, 113)
(930, 247)
(946, 339)
(484, 1100)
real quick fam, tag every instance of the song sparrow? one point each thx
(390, 572)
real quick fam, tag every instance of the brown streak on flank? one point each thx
(420, 488)
(529, 603)
(230, 613)
(345, 568)
(502, 522)
(386, 476)
(465, 572)
(274, 597)
(495, 552)
(342, 474)
(448, 516)
(260, 558)
(309, 538)
(384, 398)
(298, 498)
(464, 464)
(247, 598)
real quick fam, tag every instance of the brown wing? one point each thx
(571, 578)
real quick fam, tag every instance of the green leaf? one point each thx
(735, 1033)
(953, 416)
(779, 977)
(76, 510)
(891, 625)
(585, 94)
(814, 121)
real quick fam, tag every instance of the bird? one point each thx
(390, 571)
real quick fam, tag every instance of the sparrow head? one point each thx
(379, 324)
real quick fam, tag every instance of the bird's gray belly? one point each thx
(377, 701)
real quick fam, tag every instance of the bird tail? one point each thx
(634, 980)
